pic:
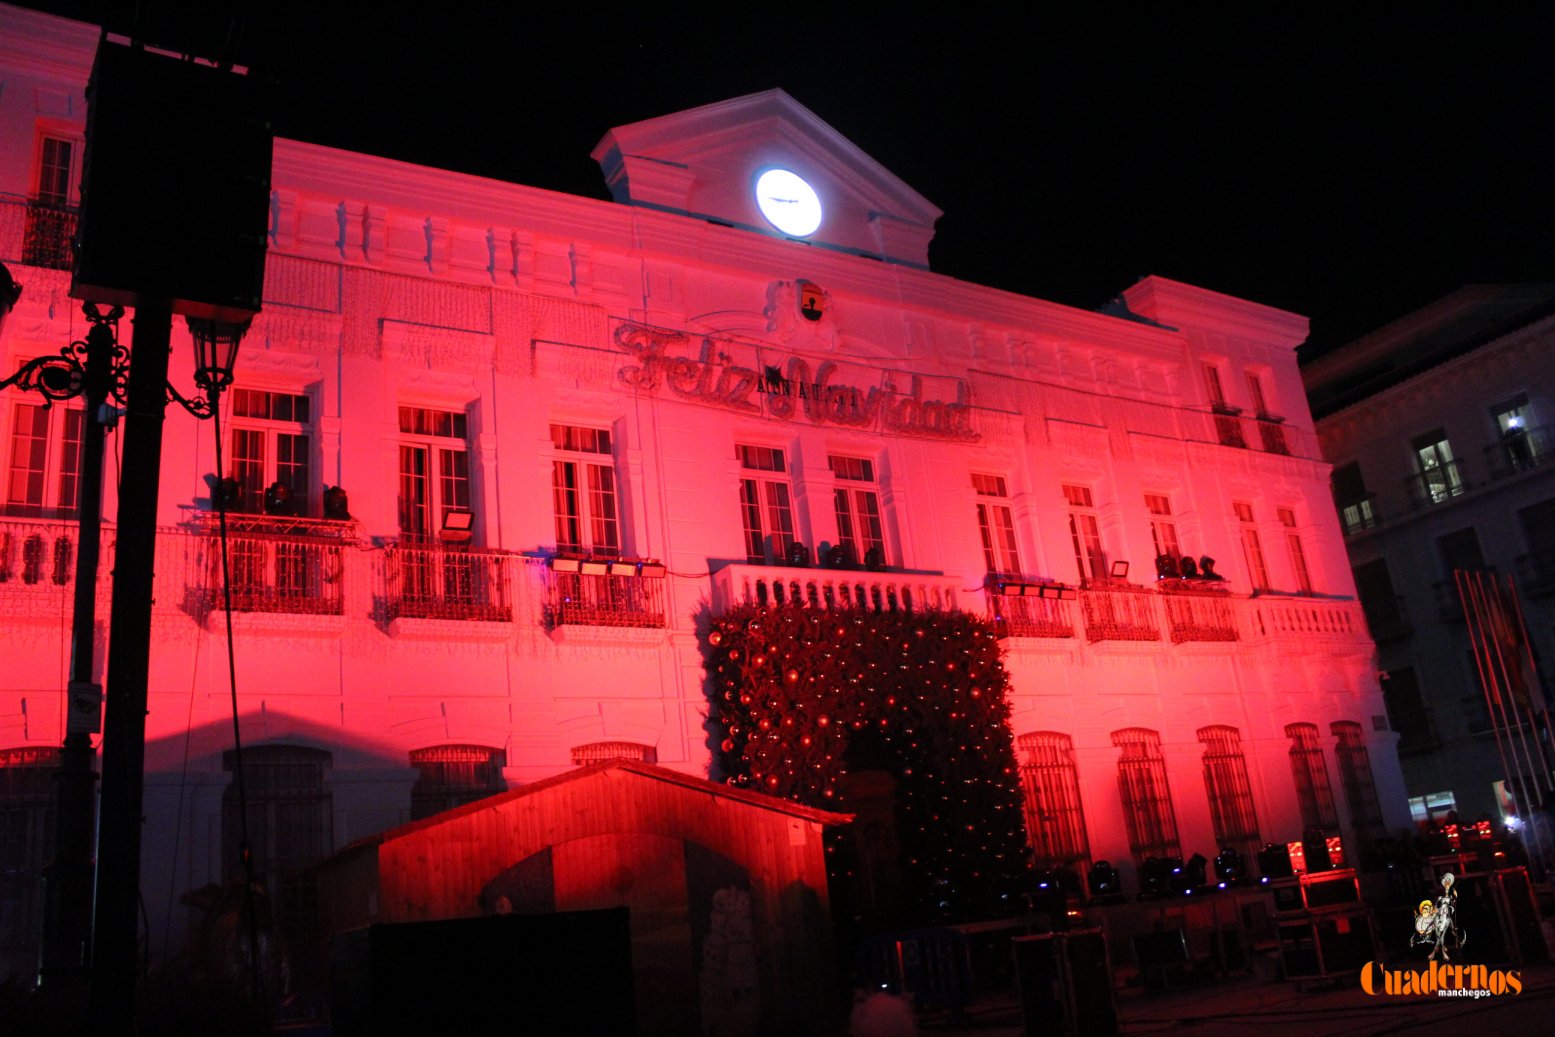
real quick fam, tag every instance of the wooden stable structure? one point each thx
(730, 927)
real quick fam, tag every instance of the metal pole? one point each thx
(115, 944)
(67, 913)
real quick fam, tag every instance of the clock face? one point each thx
(788, 203)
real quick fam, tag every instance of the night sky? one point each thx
(1349, 167)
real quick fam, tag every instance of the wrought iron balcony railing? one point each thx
(586, 599)
(1031, 616)
(1438, 484)
(425, 581)
(47, 239)
(1118, 614)
(1519, 452)
(269, 573)
(1271, 433)
(1200, 616)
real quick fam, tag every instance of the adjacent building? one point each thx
(497, 454)
(1438, 427)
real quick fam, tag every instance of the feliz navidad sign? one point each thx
(746, 378)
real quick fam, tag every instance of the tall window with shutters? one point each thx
(1310, 773)
(765, 504)
(1230, 794)
(583, 491)
(996, 525)
(1355, 778)
(1054, 818)
(1146, 796)
(856, 500)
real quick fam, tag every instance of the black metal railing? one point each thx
(1520, 451)
(1437, 484)
(420, 581)
(270, 573)
(1031, 616)
(585, 599)
(46, 242)
(1272, 435)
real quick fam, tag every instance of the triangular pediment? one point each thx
(706, 162)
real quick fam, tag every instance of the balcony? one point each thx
(1115, 614)
(280, 565)
(1305, 619)
(1520, 452)
(1271, 434)
(37, 553)
(602, 600)
(1228, 427)
(1437, 485)
(46, 242)
(1031, 616)
(743, 584)
(1199, 615)
(429, 581)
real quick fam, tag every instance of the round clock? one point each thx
(788, 203)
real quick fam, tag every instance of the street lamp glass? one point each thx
(215, 351)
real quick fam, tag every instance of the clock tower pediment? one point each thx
(766, 164)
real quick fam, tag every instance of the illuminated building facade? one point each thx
(1438, 427)
(569, 431)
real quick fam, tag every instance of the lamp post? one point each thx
(97, 369)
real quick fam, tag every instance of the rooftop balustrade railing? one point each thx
(741, 584)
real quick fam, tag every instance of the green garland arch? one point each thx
(793, 687)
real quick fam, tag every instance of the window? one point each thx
(1407, 713)
(1356, 510)
(1230, 794)
(598, 752)
(27, 812)
(434, 469)
(43, 469)
(1384, 609)
(453, 775)
(1228, 427)
(1163, 531)
(1212, 386)
(996, 526)
(859, 531)
(764, 504)
(1293, 548)
(1252, 549)
(1255, 393)
(1360, 789)
(271, 444)
(1054, 819)
(290, 827)
(51, 218)
(1089, 558)
(1147, 800)
(1310, 773)
(1538, 522)
(1439, 478)
(583, 491)
(1522, 445)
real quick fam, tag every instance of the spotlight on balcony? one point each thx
(337, 505)
(1207, 569)
(592, 567)
(798, 555)
(1229, 869)
(566, 565)
(874, 559)
(279, 500)
(835, 557)
(458, 526)
(621, 567)
(651, 570)
(1104, 881)
(1120, 570)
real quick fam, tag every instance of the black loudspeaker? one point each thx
(175, 189)
(1274, 862)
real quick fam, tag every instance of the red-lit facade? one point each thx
(570, 430)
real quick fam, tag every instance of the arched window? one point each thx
(1360, 790)
(599, 752)
(1310, 773)
(1230, 795)
(290, 826)
(1147, 799)
(1054, 819)
(453, 775)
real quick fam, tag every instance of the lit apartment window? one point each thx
(995, 525)
(1355, 777)
(857, 503)
(271, 444)
(1054, 818)
(765, 504)
(1310, 773)
(583, 491)
(1356, 510)
(27, 812)
(43, 469)
(1085, 534)
(434, 469)
(1440, 477)
(453, 775)
(1163, 531)
(1298, 556)
(1147, 799)
(1522, 445)
(1252, 549)
(290, 826)
(1230, 794)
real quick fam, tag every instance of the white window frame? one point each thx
(585, 490)
(767, 513)
(442, 452)
(271, 430)
(856, 505)
(996, 525)
(58, 478)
